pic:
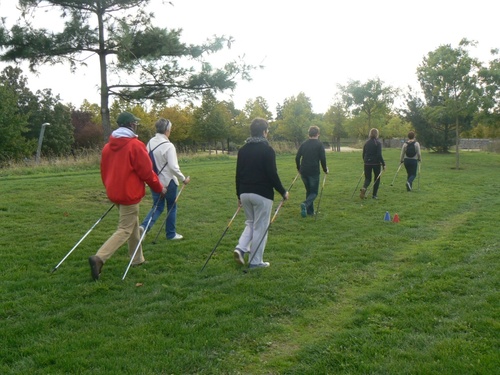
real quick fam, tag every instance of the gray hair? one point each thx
(163, 125)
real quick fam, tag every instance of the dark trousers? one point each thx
(369, 169)
(411, 166)
(311, 183)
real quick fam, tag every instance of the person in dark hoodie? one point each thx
(256, 179)
(125, 167)
(373, 161)
(310, 155)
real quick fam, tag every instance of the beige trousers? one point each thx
(128, 230)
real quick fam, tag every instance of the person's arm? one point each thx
(171, 156)
(322, 158)
(403, 151)
(144, 168)
(417, 148)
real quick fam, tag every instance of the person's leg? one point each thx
(412, 170)
(127, 225)
(154, 214)
(135, 237)
(368, 180)
(262, 217)
(172, 208)
(246, 236)
(312, 193)
(376, 173)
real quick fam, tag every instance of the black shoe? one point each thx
(95, 266)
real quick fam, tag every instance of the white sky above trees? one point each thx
(305, 46)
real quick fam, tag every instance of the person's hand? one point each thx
(383, 167)
(239, 203)
(286, 196)
(163, 192)
(186, 180)
(327, 170)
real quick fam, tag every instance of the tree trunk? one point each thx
(106, 123)
(457, 145)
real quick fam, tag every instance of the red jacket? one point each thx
(125, 167)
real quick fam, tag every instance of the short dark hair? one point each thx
(313, 131)
(411, 134)
(258, 126)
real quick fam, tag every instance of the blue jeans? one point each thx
(311, 183)
(155, 214)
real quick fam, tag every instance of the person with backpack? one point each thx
(410, 156)
(164, 159)
(373, 163)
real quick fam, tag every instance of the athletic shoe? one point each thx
(374, 197)
(303, 210)
(140, 264)
(362, 193)
(176, 237)
(408, 186)
(95, 266)
(260, 265)
(239, 256)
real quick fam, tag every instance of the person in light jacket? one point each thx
(410, 160)
(169, 172)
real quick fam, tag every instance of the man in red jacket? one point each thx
(125, 167)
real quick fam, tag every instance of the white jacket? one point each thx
(163, 154)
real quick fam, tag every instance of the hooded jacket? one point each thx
(125, 167)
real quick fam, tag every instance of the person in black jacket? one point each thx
(256, 179)
(373, 160)
(309, 155)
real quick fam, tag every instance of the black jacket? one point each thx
(256, 170)
(372, 152)
(309, 155)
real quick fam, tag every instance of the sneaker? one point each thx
(176, 237)
(239, 256)
(260, 265)
(362, 193)
(95, 266)
(303, 210)
(408, 186)
(374, 197)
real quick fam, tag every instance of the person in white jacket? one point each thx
(169, 172)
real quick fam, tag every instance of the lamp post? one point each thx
(40, 139)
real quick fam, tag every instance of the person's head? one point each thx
(127, 120)
(163, 126)
(373, 133)
(258, 127)
(411, 134)
(313, 131)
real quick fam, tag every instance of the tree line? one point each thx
(144, 66)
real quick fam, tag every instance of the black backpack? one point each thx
(410, 149)
(152, 157)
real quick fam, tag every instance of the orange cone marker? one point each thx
(396, 218)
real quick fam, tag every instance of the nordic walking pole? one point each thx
(81, 239)
(220, 239)
(356, 188)
(269, 226)
(168, 213)
(141, 238)
(418, 181)
(320, 194)
(394, 179)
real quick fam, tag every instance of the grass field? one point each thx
(348, 293)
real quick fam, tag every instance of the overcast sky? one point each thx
(306, 46)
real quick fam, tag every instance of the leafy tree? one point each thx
(58, 139)
(297, 117)
(257, 108)
(372, 99)
(336, 118)
(182, 123)
(87, 134)
(212, 120)
(449, 78)
(127, 44)
(490, 78)
(13, 127)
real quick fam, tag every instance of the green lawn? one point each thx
(348, 293)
